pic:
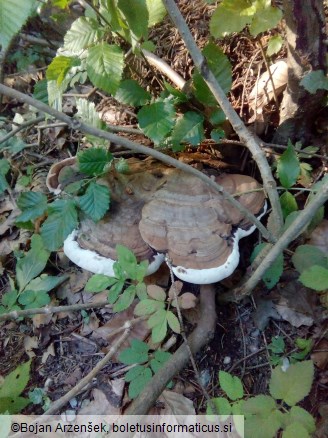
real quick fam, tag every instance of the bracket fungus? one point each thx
(159, 211)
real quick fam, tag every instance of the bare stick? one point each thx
(198, 338)
(83, 127)
(21, 127)
(251, 141)
(288, 236)
(58, 404)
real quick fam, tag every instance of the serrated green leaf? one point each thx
(274, 45)
(32, 263)
(231, 385)
(173, 322)
(156, 11)
(277, 345)
(180, 97)
(114, 291)
(147, 307)
(136, 15)
(134, 373)
(156, 120)
(137, 385)
(95, 201)
(32, 299)
(288, 167)
(131, 93)
(220, 66)
(141, 290)
(4, 167)
(14, 144)
(221, 405)
(83, 33)
(105, 65)
(46, 282)
(32, 204)
(272, 274)
(137, 353)
(306, 256)
(13, 16)
(99, 282)
(295, 430)
(9, 298)
(15, 382)
(263, 427)
(3, 184)
(125, 299)
(86, 111)
(259, 405)
(93, 161)
(300, 416)
(229, 17)
(162, 356)
(59, 67)
(315, 80)
(189, 128)
(157, 318)
(40, 91)
(264, 19)
(288, 204)
(315, 277)
(127, 260)
(61, 221)
(294, 384)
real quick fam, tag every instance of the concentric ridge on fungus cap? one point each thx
(193, 223)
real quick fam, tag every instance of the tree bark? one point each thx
(305, 36)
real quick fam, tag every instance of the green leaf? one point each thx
(93, 161)
(147, 307)
(314, 81)
(218, 117)
(265, 18)
(277, 345)
(220, 66)
(222, 406)
(230, 16)
(14, 144)
(231, 385)
(127, 260)
(46, 282)
(59, 67)
(303, 417)
(114, 291)
(9, 298)
(288, 203)
(13, 405)
(15, 382)
(95, 201)
(189, 128)
(32, 263)
(13, 16)
(99, 282)
(159, 331)
(136, 15)
(32, 204)
(160, 358)
(61, 221)
(137, 353)
(83, 33)
(295, 430)
(156, 120)
(306, 256)
(157, 318)
(32, 299)
(263, 426)
(274, 45)
(272, 274)
(315, 277)
(4, 167)
(288, 167)
(134, 373)
(41, 91)
(156, 11)
(137, 385)
(294, 384)
(126, 299)
(131, 93)
(173, 322)
(105, 66)
(86, 111)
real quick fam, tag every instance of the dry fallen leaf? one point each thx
(99, 405)
(50, 351)
(30, 343)
(320, 354)
(319, 237)
(174, 404)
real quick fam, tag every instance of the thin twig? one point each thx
(83, 127)
(20, 128)
(251, 141)
(58, 404)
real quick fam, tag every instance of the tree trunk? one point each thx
(305, 36)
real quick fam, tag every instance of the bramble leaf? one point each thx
(32, 204)
(82, 34)
(93, 161)
(131, 93)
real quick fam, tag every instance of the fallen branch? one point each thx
(83, 127)
(272, 253)
(251, 142)
(197, 340)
